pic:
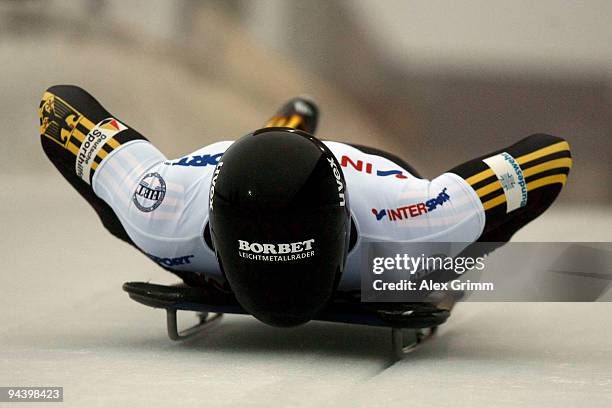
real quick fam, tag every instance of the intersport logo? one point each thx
(413, 210)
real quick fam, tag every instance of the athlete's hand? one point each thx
(298, 113)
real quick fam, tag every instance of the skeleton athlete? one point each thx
(279, 217)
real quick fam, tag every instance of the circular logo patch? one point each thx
(150, 192)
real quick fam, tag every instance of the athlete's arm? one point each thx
(464, 205)
(104, 159)
(517, 184)
(69, 117)
(485, 199)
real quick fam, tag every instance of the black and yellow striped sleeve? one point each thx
(68, 115)
(542, 164)
(298, 113)
(72, 124)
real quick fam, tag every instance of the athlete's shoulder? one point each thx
(203, 157)
(371, 163)
(340, 148)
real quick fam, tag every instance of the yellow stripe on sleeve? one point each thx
(270, 123)
(480, 176)
(113, 143)
(494, 202)
(544, 181)
(78, 135)
(549, 165)
(489, 188)
(102, 154)
(553, 164)
(72, 148)
(557, 147)
(294, 121)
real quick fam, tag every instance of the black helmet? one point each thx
(280, 224)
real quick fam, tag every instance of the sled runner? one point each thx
(411, 323)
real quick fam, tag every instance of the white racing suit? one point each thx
(161, 205)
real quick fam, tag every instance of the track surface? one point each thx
(66, 322)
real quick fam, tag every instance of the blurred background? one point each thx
(436, 82)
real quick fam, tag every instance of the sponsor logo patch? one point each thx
(292, 251)
(57, 119)
(211, 193)
(196, 161)
(338, 177)
(510, 175)
(180, 260)
(368, 168)
(379, 214)
(412, 210)
(150, 192)
(92, 144)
